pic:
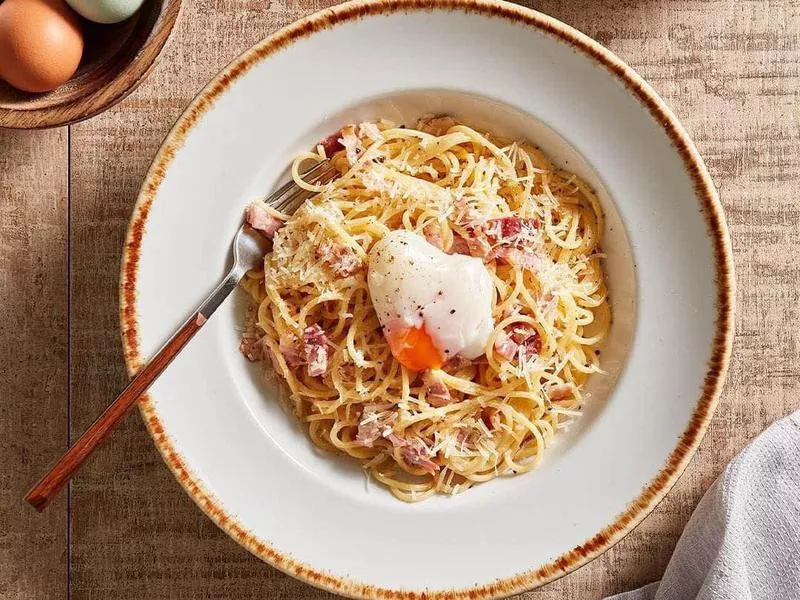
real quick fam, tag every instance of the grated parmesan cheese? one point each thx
(352, 146)
(370, 131)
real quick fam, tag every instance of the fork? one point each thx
(249, 248)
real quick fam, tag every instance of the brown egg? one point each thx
(40, 43)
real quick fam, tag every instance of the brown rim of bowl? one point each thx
(688, 442)
(116, 90)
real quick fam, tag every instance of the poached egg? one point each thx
(432, 306)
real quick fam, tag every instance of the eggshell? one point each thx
(41, 44)
(105, 11)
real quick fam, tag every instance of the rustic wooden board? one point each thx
(729, 70)
(33, 368)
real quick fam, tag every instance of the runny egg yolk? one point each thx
(413, 348)
(432, 306)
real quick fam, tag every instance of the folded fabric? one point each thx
(743, 540)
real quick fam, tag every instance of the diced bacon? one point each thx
(375, 424)
(515, 256)
(504, 228)
(522, 332)
(532, 345)
(433, 235)
(252, 347)
(331, 144)
(457, 362)
(315, 347)
(314, 334)
(463, 212)
(347, 265)
(416, 454)
(396, 441)
(523, 336)
(462, 437)
(459, 246)
(369, 428)
(478, 243)
(368, 433)
(491, 418)
(478, 247)
(438, 125)
(317, 360)
(505, 346)
(481, 360)
(436, 391)
(260, 220)
(467, 438)
(290, 349)
(496, 238)
(507, 227)
(504, 253)
(560, 392)
(341, 259)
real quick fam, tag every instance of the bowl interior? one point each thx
(109, 53)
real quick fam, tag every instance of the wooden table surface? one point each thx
(125, 529)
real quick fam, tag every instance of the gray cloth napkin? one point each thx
(743, 540)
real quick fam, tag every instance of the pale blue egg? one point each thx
(105, 11)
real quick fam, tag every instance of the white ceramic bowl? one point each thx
(251, 468)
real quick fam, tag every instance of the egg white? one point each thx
(414, 284)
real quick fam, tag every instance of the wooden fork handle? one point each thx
(43, 492)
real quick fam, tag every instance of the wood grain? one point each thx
(729, 70)
(51, 483)
(33, 347)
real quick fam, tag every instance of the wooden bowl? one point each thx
(116, 59)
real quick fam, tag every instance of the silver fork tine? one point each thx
(313, 172)
(291, 202)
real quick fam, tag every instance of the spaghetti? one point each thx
(538, 230)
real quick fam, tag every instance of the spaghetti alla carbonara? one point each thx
(436, 308)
